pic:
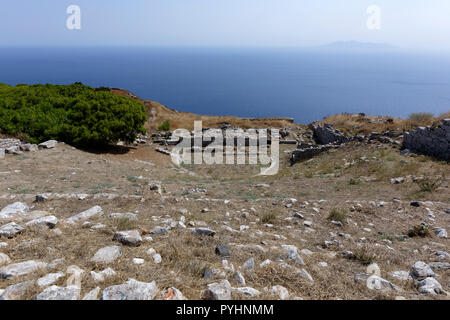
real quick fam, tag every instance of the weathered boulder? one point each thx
(21, 269)
(131, 290)
(17, 291)
(10, 230)
(218, 291)
(375, 282)
(49, 279)
(49, 221)
(203, 232)
(59, 293)
(280, 291)
(421, 270)
(441, 233)
(13, 211)
(93, 294)
(49, 144)
(4, 259)
(99, 277)
(292, 254)
(430, 286)
(107, 254)
(130, 238)
(127, 215)
(223, 250)
(92, 212)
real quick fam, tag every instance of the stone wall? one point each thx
(327, 134)
(430, 141)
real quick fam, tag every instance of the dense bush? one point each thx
(164, 126)
(76, 114)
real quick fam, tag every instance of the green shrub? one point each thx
(76, 114)
(268, 218)
(429, 185)
(337, 215)
(421, 116)
(421, 230)
(165, 126)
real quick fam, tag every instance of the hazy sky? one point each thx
(404, 23)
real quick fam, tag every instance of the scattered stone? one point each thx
(75, 276)
(41, 198)
(92, 212)
(131, 290)
(102, 276)
(218, 291)
(207, 274)
(306, 252)
(400, 275)
(305, 275)
(159, 230)
(247, 291)
(157, 258)
(107, 254)
(130, 238)
(50, 144)
(21, 269)
(415, 204)
(93, 294)
(337, 223)
(49, 221)
(375, 282)
(172, 294)
(430, 286)
(307, 224)
(397, 180)
(223, 250)
(442, 254)
(4, 259)
(249, 264)
(49, 279)
(13, 211)
(239, 278)
(138, 261)
(292, 254)
(59, 293)
(441, 233)
(127, 215)
(439, 266)
(280, 291)
(17, 291)
(421, 270)
(203, 232)
(265, 263)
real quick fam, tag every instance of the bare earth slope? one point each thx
(340, 211)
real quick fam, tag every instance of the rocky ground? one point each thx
(361, 221)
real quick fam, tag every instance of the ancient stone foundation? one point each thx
(430, 141)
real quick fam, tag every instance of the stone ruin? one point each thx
(325, 137)
(327, 134)
(430, 141)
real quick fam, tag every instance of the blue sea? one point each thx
(306, 85)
